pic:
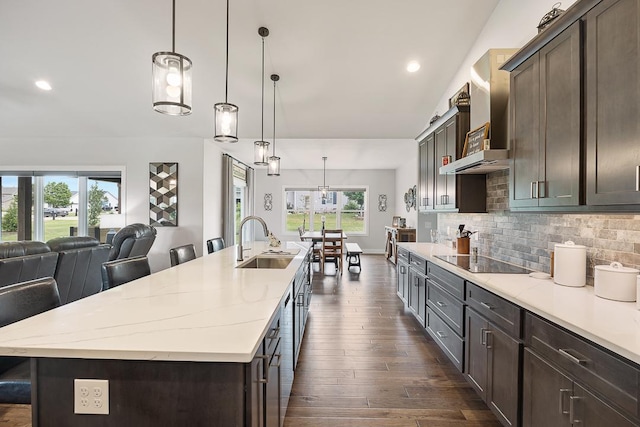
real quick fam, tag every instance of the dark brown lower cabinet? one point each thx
(552, 399)
(418, 295)
(402, 270)
(492, 366)
(273, 390)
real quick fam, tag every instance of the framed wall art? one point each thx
(163, 194)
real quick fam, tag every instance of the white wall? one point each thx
(134, 154)
(511, 25)
(406, 177)
(378, 181)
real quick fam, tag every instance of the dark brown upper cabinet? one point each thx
(612, 71)
(448, 193)
(545, 111)
(574, 114)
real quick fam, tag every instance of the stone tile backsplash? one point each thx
(528, 238)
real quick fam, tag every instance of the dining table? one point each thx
(315, 236)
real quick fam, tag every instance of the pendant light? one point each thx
(274, 161)
(171, 73)
(324, 188)
(225, 114)
(261, 148)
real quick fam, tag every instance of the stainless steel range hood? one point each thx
(489, 90)
(482, 162)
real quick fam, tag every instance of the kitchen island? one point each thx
(194, 344)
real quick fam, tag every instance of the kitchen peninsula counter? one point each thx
(205, 310)
(613, 325)
(201, 343)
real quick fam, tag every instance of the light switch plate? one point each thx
(90, 396)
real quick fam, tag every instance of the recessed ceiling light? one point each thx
(43, 85)
(413, 66)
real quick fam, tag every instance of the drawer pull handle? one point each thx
(274, 334)
(572, 409)
(638, 178)
(487, 306)
(484, 339)
(265, 379)
(563, 391)
(579, 360)
(441, 334)
(440, 304)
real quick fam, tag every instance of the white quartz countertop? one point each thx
(614, 325)
(203, 310)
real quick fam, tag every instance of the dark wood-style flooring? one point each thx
(364, 362)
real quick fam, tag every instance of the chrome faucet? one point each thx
(264, 226)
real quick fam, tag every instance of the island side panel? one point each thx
(142, 393)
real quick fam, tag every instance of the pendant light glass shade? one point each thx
(274, 161)
(324, 188)
(260, 152)
(225, 115)
(171, 79)
(226, 118)
(261, 148)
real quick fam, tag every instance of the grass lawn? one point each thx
(349, 222)
(52, 228)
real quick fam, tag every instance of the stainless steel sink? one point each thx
(267, 262)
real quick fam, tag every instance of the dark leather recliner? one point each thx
(17, 302)
(132, 241)
(25, 260)
(78, 271)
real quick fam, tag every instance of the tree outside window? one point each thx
(96, 199)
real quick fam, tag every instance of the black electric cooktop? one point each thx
(482, 264)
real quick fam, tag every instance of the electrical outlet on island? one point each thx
(90, 396)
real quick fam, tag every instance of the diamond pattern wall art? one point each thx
(163, 194)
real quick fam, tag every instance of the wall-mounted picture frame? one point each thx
(474, 141)
(463, 89)
(396, 221)
(163, 194)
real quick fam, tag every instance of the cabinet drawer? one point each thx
(447, 340)
(403, 255)
(446, 280)
(504, 314)
(450, 309)
(418, 263)
(605, 374)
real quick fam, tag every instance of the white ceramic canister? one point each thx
(570, 265)
(615, 282)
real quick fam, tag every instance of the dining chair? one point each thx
(121, 271)
(182, 254)
(215, 245)
(332, 249)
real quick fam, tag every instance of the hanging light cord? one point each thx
(274, 118)
(173, 28)
(262, 126)
(226, 72)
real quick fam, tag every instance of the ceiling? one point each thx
(344, 91)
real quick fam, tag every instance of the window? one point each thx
(342, 208)
(41, 205)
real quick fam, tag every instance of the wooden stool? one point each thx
(353, 255)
